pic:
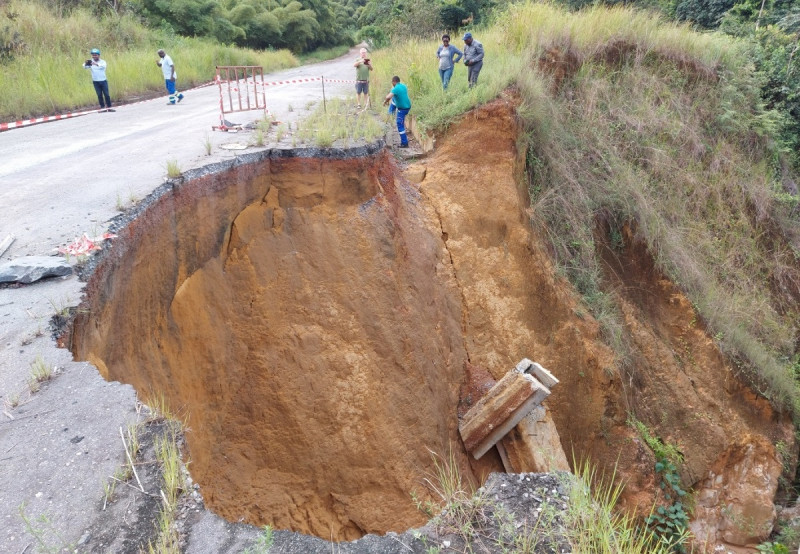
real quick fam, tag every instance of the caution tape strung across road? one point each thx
(45, 119)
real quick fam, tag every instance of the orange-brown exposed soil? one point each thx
(314, 342)
(678, 382)
(314, 318)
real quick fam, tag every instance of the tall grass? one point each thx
(590, 524)
(634, 121)
(433, 107)
(593, 526)
(47, 75)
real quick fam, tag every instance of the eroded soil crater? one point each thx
(302, 317)
(312, 315)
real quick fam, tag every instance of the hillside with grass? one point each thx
(635, 125)
(655, 172)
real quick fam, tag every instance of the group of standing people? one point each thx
(98, 68)
(449, 55)
(398, 100)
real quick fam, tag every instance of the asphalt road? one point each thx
(59, 180)
(63, 178)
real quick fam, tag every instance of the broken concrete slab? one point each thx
(32, 268)
(494, 415)
(536, 369)
(534, 445)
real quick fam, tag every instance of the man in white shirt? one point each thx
(168, 68)
(98, 69)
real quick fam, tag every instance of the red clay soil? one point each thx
(314, 317)
(515, 306)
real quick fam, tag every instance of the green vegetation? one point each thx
(41, 371)
(168, 456)
(263, 542)
(645, 127)
(590, 523)
(770, 30)
(41, 68)
(173, 169)
(48, 539)
(337, 123)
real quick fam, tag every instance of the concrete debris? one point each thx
(494, 415)
(32, 268)
(85, 245)
(6, 243)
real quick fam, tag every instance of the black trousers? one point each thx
(101, 88)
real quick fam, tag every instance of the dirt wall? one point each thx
(302, 316)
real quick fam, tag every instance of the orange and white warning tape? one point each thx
(242, 82)
(45, 119)
(35, 120)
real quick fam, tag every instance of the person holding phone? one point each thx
(363, 67)
(98, 68)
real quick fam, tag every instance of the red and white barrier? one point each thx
(35, 120)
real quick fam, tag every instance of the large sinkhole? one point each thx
(298, 310)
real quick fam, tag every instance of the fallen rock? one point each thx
(32, 268)
(734, 503)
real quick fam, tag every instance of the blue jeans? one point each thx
(103, 98)
(401, 122)
(445, 75)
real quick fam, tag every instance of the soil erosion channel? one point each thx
(312, 315)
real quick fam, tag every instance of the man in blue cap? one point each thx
(473, 58)
(98, 69)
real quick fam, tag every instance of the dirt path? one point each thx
(60, 180)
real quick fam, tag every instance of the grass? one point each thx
(258, 137)
(662, 450)
(263, 542)
(45, 75)
(324, 54)
(636, 127)
(168, 456)
(338, 125)
(41, 371)
(434, 108)
(47, 537)
(173, 169)
(590, 524)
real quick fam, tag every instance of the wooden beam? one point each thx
(494, 415)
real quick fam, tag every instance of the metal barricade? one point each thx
(241, 89)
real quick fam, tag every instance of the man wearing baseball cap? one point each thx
(98, 69)
(473, 58)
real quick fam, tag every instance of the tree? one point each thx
(705, 13)
(298, 26)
